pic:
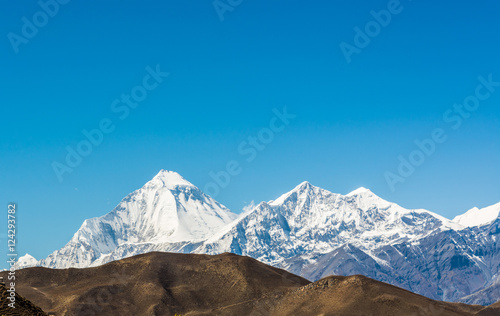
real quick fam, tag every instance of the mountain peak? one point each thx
(27, 256)
(359, 191)
(478, 217)
(26, 261)
(170, 179)
(304, 184)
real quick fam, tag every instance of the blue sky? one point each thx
(352, 119)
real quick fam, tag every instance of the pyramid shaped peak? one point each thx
(170, 179)
(304, 184)
(26, 261)
(360, 191)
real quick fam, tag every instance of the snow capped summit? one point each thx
(303, 187)
(169, 179)
(479, 217)
(309, 219)
(26, 261)
(360, 191)
(167, 213)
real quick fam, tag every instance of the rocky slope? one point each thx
(23, 307)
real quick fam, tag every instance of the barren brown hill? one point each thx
(23, 307)
(492, 310)
(359, 295)
(155, 284)
(187, 284)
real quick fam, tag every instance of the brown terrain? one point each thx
(22, 306)
(187, 284)
(493, 310)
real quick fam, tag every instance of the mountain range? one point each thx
(308, 231)
(188, 284)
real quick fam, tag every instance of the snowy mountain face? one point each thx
(308, 231)
(25, 261)
(168, 213)
(446, 265)
(479, 217)
(310, 220)
(315, 233)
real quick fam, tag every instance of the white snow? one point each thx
(169, 179)
(167, 213)
(26, 261)
(479, 217)
(358, 191)
(311, 220)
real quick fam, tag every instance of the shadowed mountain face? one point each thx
(22, 305)
(227, 284)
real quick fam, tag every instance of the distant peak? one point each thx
(359, 191)
(26, 261)
(479, 217)
(304, 184)
(27, 256)
(171, 179)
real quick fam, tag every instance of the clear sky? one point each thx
(355, 112)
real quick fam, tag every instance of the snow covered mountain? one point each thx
(315, 233)
(308, 231)
(309, 220)
(479, 217)
(25, 261)
(167, 214)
